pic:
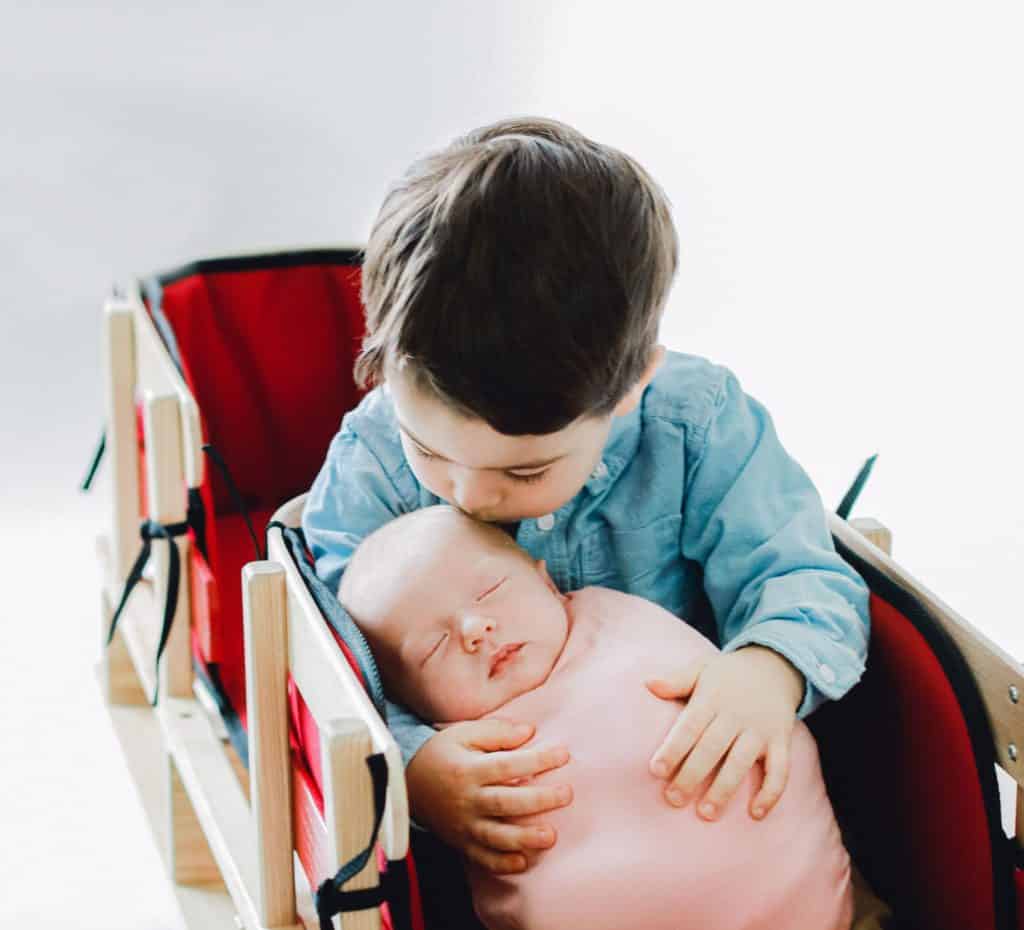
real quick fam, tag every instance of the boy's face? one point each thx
(459, 626)
(491, 476)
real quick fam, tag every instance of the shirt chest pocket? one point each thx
(644, 561)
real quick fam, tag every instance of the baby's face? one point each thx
(459, 626)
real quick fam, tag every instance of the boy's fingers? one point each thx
(511, 838)
(741, 759)
(496, 801)
(499, 768)
(776, 773)
(496, 862)
(495, 735)
(702, 761)
(684, 735)
(678, 685)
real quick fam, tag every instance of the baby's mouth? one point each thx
(503, 656)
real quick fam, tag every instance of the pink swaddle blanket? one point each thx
(625, 858)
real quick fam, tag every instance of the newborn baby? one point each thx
(464, 624)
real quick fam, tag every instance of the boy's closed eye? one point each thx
(523, 476)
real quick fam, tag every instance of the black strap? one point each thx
(149, 531)
(850, 497)
(330, 899)
(97, 457)
(236, 495)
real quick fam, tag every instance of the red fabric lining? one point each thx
(268, 354)
(1018, 877)
(902, 774)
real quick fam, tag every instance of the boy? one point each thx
(465, 625)
(513, 286)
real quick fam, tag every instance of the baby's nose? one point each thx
(475, 628)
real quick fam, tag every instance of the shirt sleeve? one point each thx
(351, 497)
(755, 522)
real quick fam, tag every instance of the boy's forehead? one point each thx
(472, 442)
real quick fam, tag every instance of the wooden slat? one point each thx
(999, 676)
(266, 685)
(188, 853)
(876, 533)
(217, 798)
(330, 690)
(122, 444)
(348, 808)
(168, 504)
(156, 372)
(119, 681)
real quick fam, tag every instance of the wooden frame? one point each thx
(229, 835)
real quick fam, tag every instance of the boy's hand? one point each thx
(742, 708)
(462, 785)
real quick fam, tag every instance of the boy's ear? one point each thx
(542, 570)
(632, 398)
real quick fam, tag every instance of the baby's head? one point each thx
(459, 618)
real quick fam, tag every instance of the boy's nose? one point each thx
(475, 628)
(474, 492)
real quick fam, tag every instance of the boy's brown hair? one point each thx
(519, 275)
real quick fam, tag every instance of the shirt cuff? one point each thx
(830, 669)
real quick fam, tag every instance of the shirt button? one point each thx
(828, 675)
(599, 471)
(546, 522)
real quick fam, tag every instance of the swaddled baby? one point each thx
(464, 625)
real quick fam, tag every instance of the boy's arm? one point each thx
(755, 522)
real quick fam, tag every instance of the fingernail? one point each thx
(543, 836)
(659, 769)
(758, 812)
(675, 797)
(564, 794)
(707, 810)
(523, 729)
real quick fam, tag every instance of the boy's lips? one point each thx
(503, 656)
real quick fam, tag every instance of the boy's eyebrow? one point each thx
(540, 463)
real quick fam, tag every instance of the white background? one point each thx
(848, 189)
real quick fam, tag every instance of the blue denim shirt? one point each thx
(694, 495)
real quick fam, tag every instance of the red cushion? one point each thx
(901, 771)
(234, 548)
(268, 354)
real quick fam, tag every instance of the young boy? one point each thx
(465, 625)
(513, 286)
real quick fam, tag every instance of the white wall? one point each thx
(846, 180)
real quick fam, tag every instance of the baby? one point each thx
(464, 625)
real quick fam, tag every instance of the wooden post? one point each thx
(119, 681)
(1019, 829)
(168, 503)
(875, 532)
(266, 686)
(188, 853)
(348, 808)
(122, 443)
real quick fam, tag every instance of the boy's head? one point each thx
(459, 618)
(516, 280)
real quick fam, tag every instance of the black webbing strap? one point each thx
(236, 495)
(149, 531)
(330, 899)
(850, 497)
(97, 457)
